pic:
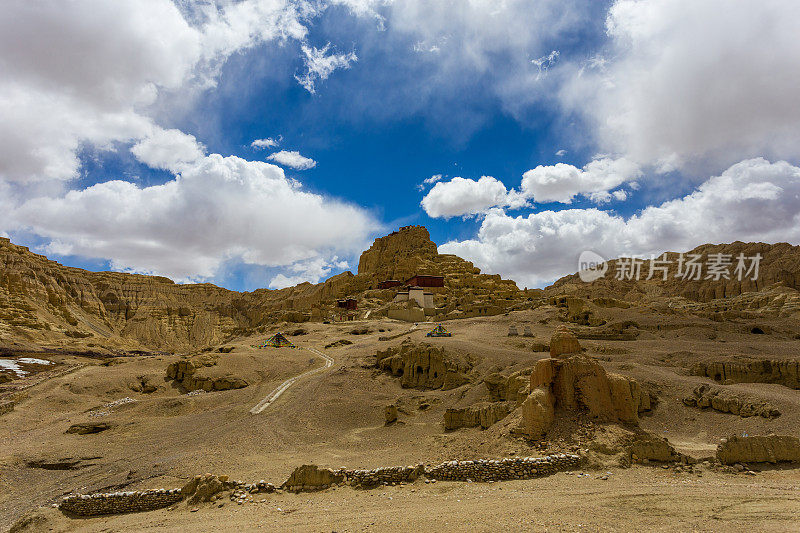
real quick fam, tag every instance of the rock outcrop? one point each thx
(564, 342)
(705, 397)
(204, 488)
(759, 449)
(779, 266)
(511, 388)
(390, 414)
(188, 373)
(578, 382)
(423, 366)
(648, 447)
(785, 372)
(308, 478)
(538, 413)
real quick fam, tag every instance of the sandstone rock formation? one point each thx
(511, 388)
(578, 382)
(204, 488)
(423, 366)
(773, 293)
(538, 413)
(705, 397)
(483, 415)
(564, 342)
(45, 303)
(759, 449)
(647, 447)
(786, 372)
(188, 373)
(307, 478)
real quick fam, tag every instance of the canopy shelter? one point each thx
(439, 331)
(276, 341)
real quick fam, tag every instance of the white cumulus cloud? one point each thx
(168, 149)
(460, 196)
(292, 159)
(753, 200)
(685, 81)
(269, 142)
(218, 209)
(562, 182)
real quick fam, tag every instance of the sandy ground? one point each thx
(335, 418)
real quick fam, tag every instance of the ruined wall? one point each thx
(759, 371)
(503, 469)
(119, 502)
(759, 449)
(475, 415)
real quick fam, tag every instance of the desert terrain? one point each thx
(151, 384)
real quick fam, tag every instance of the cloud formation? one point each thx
(90, 71)
(320, 65)
(460, 197)
(170, 150)
(686, 80)
(562, 182)
(543, 184)
(218, 209)
(292, 159)
(269, 142)
(753, 200)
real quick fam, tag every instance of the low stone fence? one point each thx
(503, 469)
(120, 502)
(378, 476)
(311, 478)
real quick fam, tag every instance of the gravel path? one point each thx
(275, 394)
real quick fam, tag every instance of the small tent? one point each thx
(276, 341)
(439, 331)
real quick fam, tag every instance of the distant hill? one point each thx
(46, 304)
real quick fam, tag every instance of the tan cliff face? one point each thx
(44, 304)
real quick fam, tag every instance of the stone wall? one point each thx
(312, 478)
(119, 502)
(503, 469)
(389, 475)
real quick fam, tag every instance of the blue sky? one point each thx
(624, 127)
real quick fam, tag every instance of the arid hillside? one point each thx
(46, 305)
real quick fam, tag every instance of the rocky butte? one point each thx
(44, 304)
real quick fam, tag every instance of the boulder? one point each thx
(390, 414)
(512, 388)
(564, 342)
(203, 488)
(759, 449)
